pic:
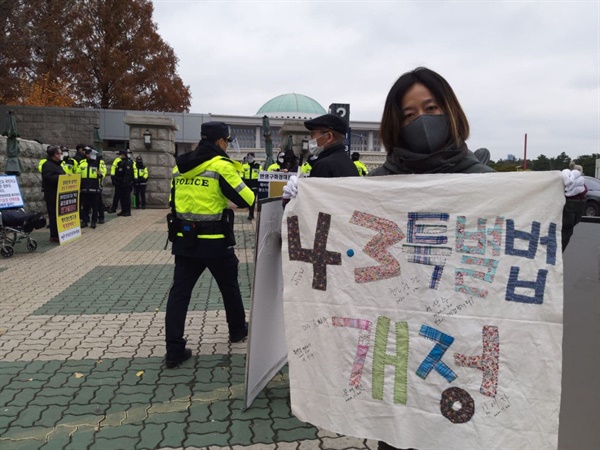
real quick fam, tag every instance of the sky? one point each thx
(517, 67)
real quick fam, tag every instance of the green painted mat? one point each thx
(137, 289)
(136, 403)
(155, 240)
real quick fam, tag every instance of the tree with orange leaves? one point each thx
(88, 53)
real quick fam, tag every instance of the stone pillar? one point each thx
(159, 156)
(299, 133)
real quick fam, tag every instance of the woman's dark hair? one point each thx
(391, 122)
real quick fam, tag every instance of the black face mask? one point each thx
(427, 133)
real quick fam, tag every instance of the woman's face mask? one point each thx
(250, 159)
(427, 133)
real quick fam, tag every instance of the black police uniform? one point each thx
(193, 254)
(123, 181)
(252, 183)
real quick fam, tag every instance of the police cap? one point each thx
(122, 152)
(328, 121)
(213, 131)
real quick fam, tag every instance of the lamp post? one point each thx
(362, 141)
(268, 141)
(147, 139)
(303, 153)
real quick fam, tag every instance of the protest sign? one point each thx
(67, 207)
(270, 184)
(426, 310)
(266, 352)
(10, 193)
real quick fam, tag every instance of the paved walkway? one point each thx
(82, 346)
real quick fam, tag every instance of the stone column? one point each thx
(158, 156)
(298, 131)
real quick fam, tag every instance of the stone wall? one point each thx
(54, 126)
(30, 181)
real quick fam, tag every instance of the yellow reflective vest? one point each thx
(203, 193)
(362, 169)
(140, 176)
(306, 167)
(91, 175)
(69, 165)
(251, 171)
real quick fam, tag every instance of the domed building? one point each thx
(248, 130)
(291, 106)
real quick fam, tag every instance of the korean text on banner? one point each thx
(67, 207)
(426, 310)
(10, 193)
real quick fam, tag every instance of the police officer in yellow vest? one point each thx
(250, 177)
(69, 164)
(91, 178)
(360, 166)
(205, 181)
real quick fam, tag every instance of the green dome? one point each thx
(291, 106)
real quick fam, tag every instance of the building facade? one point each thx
(72, 126)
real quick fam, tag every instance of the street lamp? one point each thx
(147, 139)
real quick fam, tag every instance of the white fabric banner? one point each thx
(426, 310)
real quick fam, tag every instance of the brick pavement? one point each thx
(82, 346)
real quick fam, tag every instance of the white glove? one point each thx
(573, 182)
(290, 190)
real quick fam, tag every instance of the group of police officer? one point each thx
(88, 163)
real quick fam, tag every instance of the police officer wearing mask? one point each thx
(91, 179)
(122, 174)
(141, 181)
(204, 183)
(327, 136)
(68, 163)
(277, 165)
(250, 177)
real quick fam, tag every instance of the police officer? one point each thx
(307, 166)
(362, 169)
(102, 170)
(122, 173)
(204, 183)
(277, 165)
(140, 176)
(91, 178)
(80, 152)
(250, 177)
(69, 164)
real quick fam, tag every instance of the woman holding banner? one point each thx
(424, 130)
